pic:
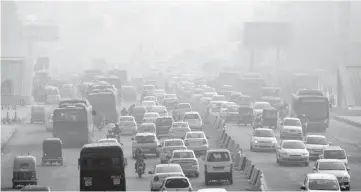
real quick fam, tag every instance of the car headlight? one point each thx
(284, 153)
(274, 142)
(305, 154)
(255, 141)
(346, 178)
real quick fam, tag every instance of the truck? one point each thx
(251, 87)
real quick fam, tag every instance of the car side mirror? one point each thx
(314, 168)
(343, 188)
(150, 172)
(348, 168)
(330, 143)
(94, 113)
(168, 157)
(125, 162)
(303, 187)
(78, 163)
(159, 146)
(207, 137)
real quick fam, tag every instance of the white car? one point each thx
(219, 98)
(127, 125)
(197, 141)
(320, 182)
(149, 104)
(162, 110)
(159, 94)
(150, 98)
(218, 166)
(169, 145)
(179, 130)
(187, 160)
(205, 101)
(150, 117)
(161, 172)
(216, 107)
(260, 105)
(335, 167)
(109, 140)
(291, 128)
(292, 151)
(212, 190)
(335, 152)
(176, 184)
(315, 144)
(263, 139)
(194, 120)
(224, 107)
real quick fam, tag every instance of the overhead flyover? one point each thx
(349, 87)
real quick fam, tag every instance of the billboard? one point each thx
(267, 34)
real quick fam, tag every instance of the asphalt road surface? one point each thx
(289, 178)
(29, 138)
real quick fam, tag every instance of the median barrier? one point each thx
(243, 163)
(230, 144)
(225, 144)
(223, 132)
(254, 176)
(247, 167)
(249, 172)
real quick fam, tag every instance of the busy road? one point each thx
(29, 138)
(290, 177)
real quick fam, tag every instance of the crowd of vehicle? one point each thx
(169, 125)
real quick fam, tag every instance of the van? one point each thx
(218, 163)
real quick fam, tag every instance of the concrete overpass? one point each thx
(349, 87)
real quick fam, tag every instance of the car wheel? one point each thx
(230, 179)
(196, 175)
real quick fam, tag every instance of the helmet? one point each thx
(303, 115)
(139, 150)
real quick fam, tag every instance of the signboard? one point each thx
(42, 32)
(266, 34)
(313, 100)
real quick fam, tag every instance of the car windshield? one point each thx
(168, 169)
(264, 133)
(195, 136)
(177, 183)
(293, 145)
(262, 106)
(149, 115)
(139, 110)
(126, 118)
(218, 157)
(323, 185)
(191, 116)
(108, 141)
(184, 106)
(232, 109)
(170, 96)
(334, 154)
(316, 141)
(145, 139)
(173, 143)
(181, 155)
(331, 166)
(180, 125)
(292, 122)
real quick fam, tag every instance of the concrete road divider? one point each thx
(249, 171)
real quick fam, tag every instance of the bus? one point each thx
(316, 109)
(102, 167)
(251, 87)
(52, 95)
(111, 79)
(272, 95)
(106, 105)
(73, 125)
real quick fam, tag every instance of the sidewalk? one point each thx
(351, 120)
(7, 131)
(22, 113)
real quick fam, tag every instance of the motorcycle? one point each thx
(140, 169)
(257, 124)
(111, 134)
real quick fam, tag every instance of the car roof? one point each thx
(148, 102)
(330, 160)
(195, 132)
(183, 150)
(334, 147)
(149, 96)
(180, 122)
(145, 134)
(213, 102)
(263, 129)
(173, 140)
(108, 139)
(292, 141)
(191, 113)
(318, 136)
(147, 124)
(321, 176)
(152, 112)
(291, 118)
(168, 165)
(261, 102)
(177, 177)
(217, 150)
(184, 104)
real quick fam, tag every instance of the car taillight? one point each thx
(186, 143)
(194, 163)
(156, 178)
(204, 141)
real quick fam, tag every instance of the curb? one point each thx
(344, 120)
(4, 143)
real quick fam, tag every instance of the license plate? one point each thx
(218, 168)
(116, 181)
(146, 149)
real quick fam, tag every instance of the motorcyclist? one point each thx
(139, 156)
(259, 120)
(124, 112)
(176, 116)
(304, 121)
(115, 129)
(130, 110)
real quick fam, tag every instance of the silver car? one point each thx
(292, 151)
(263, 139)
(291, 128)
(315, 145)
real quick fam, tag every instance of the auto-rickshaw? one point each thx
(269, 117)
(24, 171)
(52, 151)
(245, 115)
(37, 114)
(35, 188)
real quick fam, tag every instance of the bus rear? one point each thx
(105, 105)
(71, 125)
(316, 109)
(102, 167)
